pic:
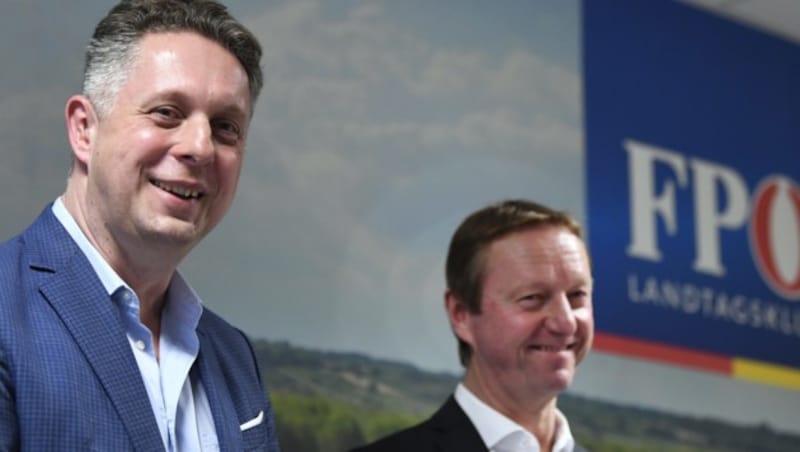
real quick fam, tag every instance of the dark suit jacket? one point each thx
(448, 430)
(68, 377)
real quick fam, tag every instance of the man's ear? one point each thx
(459, 315)
(82, 125)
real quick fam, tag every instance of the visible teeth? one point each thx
(182, 192)
(549, 348)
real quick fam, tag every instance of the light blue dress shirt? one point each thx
(179, 402)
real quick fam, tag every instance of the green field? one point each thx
(334, 401)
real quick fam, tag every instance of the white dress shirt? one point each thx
(501, 434)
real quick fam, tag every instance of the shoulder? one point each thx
(449, 429)
(224, 340)
(213, 323)
(419, 438)
(43, 246)
(12, 252)
(28, 261)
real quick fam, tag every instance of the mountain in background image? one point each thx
(333, 401)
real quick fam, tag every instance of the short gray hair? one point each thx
(115, 43)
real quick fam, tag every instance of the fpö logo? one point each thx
(771, 213)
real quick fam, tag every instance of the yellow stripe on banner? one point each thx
(773, 374)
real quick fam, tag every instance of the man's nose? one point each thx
(560, 315)
(196, 144)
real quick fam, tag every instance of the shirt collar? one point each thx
(110, 279)
(493, 426)
(183, 301)
(564, 440)
(182, 313)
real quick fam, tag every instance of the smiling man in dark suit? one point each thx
(103, 344)
(519, 300)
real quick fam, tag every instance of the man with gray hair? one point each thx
(103, 344)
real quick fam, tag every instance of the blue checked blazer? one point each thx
(68, 377)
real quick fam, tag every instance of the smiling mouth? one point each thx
(552, 348)
(180, 192)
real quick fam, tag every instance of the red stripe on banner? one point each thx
(665, 353)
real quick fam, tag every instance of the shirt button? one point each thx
(140, 345)
(126, 295)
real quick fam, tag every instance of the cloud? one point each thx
(354, 100)
(368, 139)
(448, 72)
(524, 76)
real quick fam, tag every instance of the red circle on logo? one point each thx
(762, 242)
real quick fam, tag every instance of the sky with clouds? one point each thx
(380, 126)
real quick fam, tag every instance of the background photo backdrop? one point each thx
(381, 125)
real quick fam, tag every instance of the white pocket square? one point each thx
(253, 422)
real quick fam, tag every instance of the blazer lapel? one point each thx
(226, 420)
(79, 299)
(454, 431)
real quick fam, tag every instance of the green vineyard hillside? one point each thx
(332, 401)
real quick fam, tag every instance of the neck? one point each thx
(148, 272)
(534, 413)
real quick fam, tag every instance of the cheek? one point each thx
(229, 167)
(585, 322)
(493, 331)
(520, 329)
(585, 319)
(142, 147)
(152, 146)
(227, 171)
